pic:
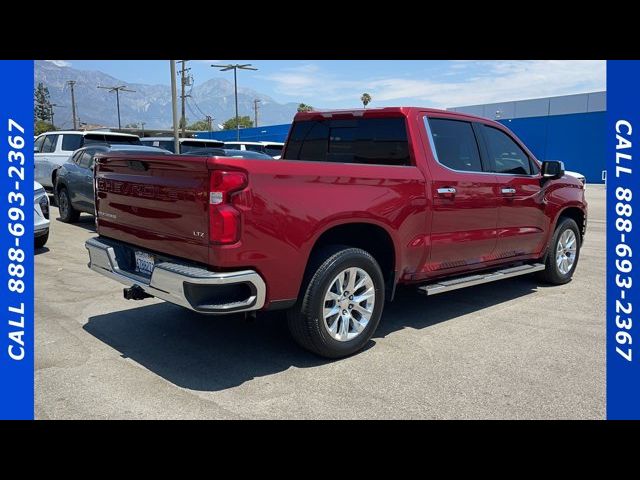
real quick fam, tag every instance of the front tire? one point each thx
(68, 214)
(564, 252)
(341, 303)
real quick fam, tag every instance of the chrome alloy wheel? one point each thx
(348, 304)
(566, 251)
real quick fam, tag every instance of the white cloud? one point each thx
(461, 83)
(60, 63)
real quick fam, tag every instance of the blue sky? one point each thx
(339, 83)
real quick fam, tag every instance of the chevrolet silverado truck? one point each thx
(362, 201)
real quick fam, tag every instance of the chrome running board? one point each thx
(442, 286)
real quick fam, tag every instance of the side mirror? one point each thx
(552, 169)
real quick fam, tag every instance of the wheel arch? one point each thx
(370, 237)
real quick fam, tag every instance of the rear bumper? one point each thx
(177, 282)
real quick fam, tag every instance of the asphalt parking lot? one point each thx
(512, 349)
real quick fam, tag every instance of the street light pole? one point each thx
(235, 67)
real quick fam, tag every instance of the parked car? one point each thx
(186, 144)
(52, 149)
(40, 215)
(273, 149)
(577, 175)
(228, 152)
(362, 202)
(74, 179)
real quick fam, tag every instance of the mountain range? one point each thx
(150, 103)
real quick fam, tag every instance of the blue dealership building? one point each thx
(570, 128)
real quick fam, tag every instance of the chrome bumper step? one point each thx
(478, 279)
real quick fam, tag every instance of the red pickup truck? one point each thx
(360, 202)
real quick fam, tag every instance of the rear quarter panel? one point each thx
(289, 204)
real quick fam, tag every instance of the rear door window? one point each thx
(86, 159)
(374, 141)
(455, 144)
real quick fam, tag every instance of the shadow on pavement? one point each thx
(39, 251)
(85, 221)
(215, 353)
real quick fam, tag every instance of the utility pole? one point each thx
(209, 120)
(142, 123)
(71, 84)
(184, 82)
(255, 111)
(118, 89)
(53, 105)
(174, 106)
(226, 68)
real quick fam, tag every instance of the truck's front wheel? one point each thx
(564, 251)
(341, 303)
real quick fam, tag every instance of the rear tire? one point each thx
(563, 254)
(356, 313)
(68, 214)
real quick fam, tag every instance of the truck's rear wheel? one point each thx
(340, 305)
(564, 251)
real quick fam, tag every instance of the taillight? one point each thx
(224, 218)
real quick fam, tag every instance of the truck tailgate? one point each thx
(157, 202)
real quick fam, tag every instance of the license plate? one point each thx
(144, 263)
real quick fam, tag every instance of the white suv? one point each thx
(273, 149)
(52, 149)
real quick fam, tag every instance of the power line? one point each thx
(117, 89)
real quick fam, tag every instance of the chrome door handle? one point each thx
(508, 191)
(447, 191)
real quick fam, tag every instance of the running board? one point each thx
(492, 276)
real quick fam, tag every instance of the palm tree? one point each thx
(365, 99)
(303, 107)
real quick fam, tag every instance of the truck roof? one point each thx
(381, 112)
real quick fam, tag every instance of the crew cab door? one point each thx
(522, 222)
(464, 208)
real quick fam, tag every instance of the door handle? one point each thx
(508, 191)
(447, 191)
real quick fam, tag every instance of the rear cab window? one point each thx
(372, 141)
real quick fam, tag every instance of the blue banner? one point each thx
(16, 240)
(623, 248)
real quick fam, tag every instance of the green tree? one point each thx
(232, 124)
(365, 99)
(303, 107)
(41, 126)
(42, 108)
(182, 123)
(201, 125)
